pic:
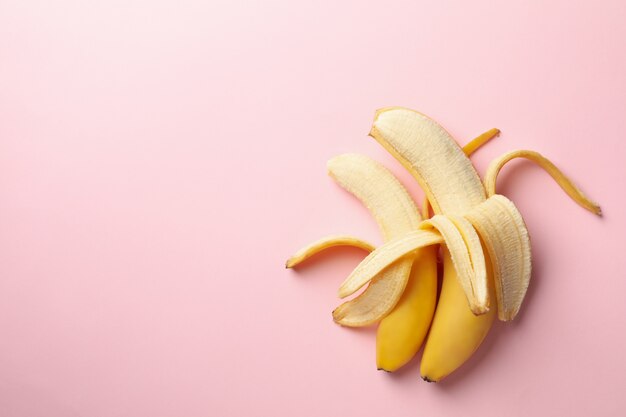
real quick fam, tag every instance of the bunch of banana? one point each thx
(480, 236)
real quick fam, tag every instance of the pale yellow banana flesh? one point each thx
(379, 190)
(461, 240)
(377, 301)
(396, 214)
(384, 257)
(456, 333)
(464, 246)
(324, 243)
(431, 155)
(505, 236)
(401, 333)
(468, 150)
(564, 182)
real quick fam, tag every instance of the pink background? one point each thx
(159, 160)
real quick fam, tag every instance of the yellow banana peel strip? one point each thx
(325, 243)
(564, 182)
(396, 214)
(502, 229)
(467, 255)
(371, 306)
(385, 255)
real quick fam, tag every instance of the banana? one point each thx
(456, 333)
(485, 245)
(396, 214)
(454, 189)
(402, 332)
(452, 186)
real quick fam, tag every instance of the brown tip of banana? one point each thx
(598, 211)
(383, 369)
(372, 132)
(425, 378)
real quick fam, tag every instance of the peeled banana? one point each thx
(485, 245)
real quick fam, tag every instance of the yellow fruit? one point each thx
(456, 332)
(401, 333)
(485, 245)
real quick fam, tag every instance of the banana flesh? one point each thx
(464, 246)
(385, 255)
(431, 155)
(396, 214)
(504, 233)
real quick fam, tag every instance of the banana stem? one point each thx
(480, 140)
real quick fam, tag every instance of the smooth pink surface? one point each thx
(159, 160)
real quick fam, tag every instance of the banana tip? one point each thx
(427, 379)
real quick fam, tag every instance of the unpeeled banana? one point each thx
(485, 245)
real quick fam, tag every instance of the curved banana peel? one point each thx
(396, 214)
(384, 256)
(324, 243)
(564, 182)
(468, 259)
(502, 229)
(378, 300)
